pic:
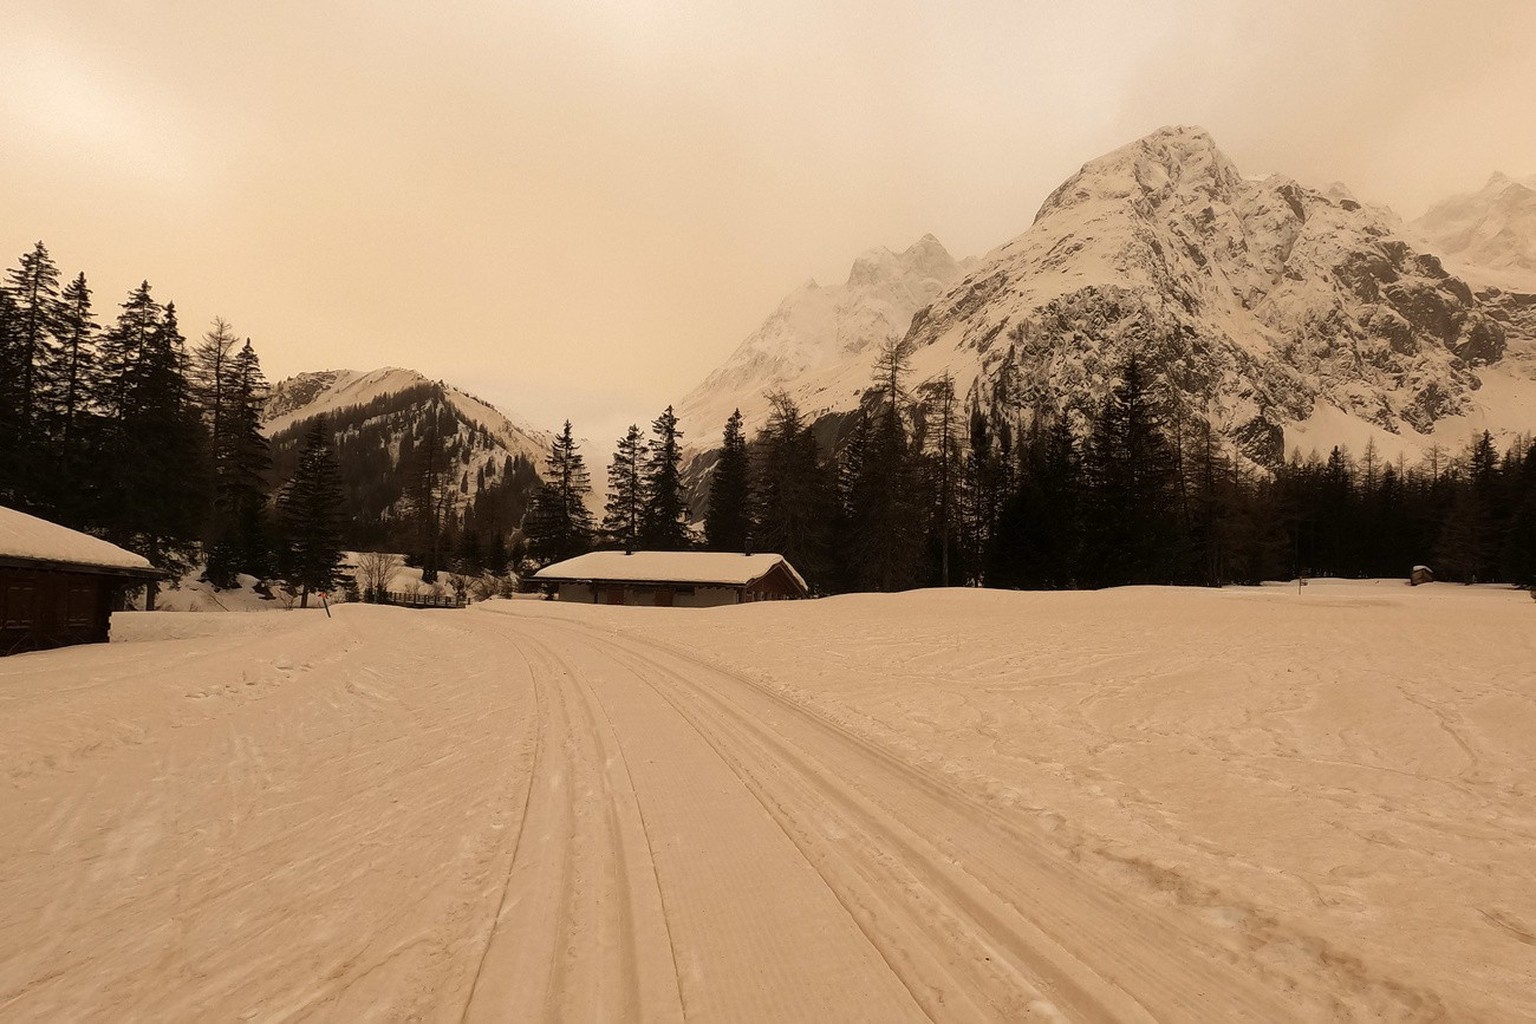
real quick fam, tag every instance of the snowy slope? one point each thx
(821, 331)
(1287, 315)
(1489, 235)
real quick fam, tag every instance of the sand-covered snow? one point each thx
(960, 805)
(24, 536)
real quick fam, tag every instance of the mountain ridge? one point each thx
(1286, 314)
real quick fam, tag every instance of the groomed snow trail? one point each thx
(524, 812)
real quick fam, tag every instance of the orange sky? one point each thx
(578, 208)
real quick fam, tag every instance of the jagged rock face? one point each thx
(1490, 235)
(294, 393)
(817, 329)
(1252, 300)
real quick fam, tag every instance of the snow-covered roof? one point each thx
(37, 540)
(698, 567)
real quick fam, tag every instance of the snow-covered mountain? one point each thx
(306, 395)
(1287, 315)
(1488, 235)
(395, 428)
(819, 330)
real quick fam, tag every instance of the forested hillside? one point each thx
(420, 476)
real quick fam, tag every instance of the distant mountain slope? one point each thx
(307, 395)
(1286, 315)
(408, 444)
(821, 330)
(1489, 235)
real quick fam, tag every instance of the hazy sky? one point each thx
(578, 208)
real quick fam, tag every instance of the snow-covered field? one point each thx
(1139, 804)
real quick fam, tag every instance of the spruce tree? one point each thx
(664, 516)
(794, 504)
(242, 458)
(1132, 487)
(885, 516)
(944, 472)
(626, 491)
(212, 363)
(309, 510)
(559, 525)
(156, 473)
(12, 473)
(34, 289)
(77, 338)
(727, 517)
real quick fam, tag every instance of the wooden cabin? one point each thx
(1421, 574)
(682, 579)
(58, 586)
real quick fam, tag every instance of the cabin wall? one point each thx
(42, 608)
(709, 597)
(648, 596)
(578, 592)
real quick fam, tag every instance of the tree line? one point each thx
(126, 432)
(924, 489)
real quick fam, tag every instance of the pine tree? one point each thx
(1132, 488)
(727, 517)
(309, 508)
(664, 516)
(242, 457)
(77, 337)
(626, 491)
(29, 323)
(12, 464)
(1518, 561)
(158, 470)
(885, 516)
(945, 470)
(1037, 543)
(559, 525)
(212, 371)
(34, 289)
(793, 501)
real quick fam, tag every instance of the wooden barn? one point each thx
(59, 586)
(683, 579)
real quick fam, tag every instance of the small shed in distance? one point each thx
(57, 585)
(1421, 574)
(684, 579)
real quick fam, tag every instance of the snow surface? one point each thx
(1132, 805)
(24, 536)
(675, 566)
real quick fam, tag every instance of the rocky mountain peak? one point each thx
(1488, 235)
(1282, 314)
(1178, 164)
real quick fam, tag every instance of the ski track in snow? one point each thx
(949, 806)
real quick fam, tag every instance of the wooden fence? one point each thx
(422, 600)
